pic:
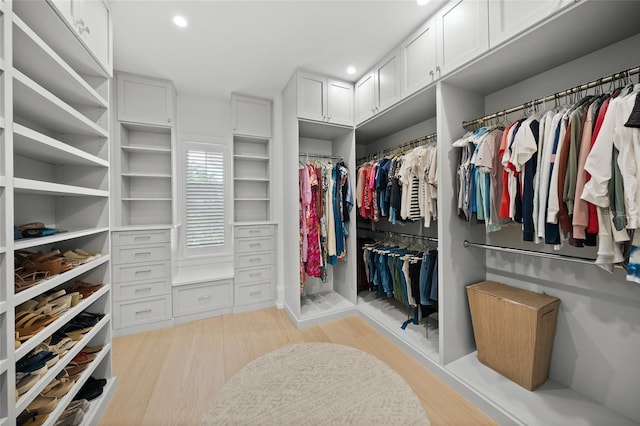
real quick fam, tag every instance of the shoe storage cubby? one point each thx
(54, 198)
(251, 179)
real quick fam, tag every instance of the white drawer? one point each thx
(135, 272)
(129, 314)
(137, 290)
(202, 297)
(127, 238)
(140, 254)
(254, 259)
(247, 245)
(247, 276)
(254, 293)
(254, 231)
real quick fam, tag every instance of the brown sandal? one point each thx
(27, 279)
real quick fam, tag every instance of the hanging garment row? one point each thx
(401, 187)
(569, 174)
(407, 274)
(326, 201)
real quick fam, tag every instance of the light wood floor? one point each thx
(170, 376)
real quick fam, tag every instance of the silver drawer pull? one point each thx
(142, 238)
(140, 290)
(255, 245)
(255, 293)
(148, 271)
(143, 253)
(256, 274)
(207, 297)
(254, 231)
(146, 311)
(255, 259)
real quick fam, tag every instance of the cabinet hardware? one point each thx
(142, 237)
(438, 70)
(140, 290)
(146, 311)
(147, 271)
(78, 22)
(255, 293)
(255, 245)
(207, 297)
(254, 259)
(143, 253)
(255, 274)
(254, 231)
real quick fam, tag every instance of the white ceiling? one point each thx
(253, 47)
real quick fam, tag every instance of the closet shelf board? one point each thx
(250, 157)
(3, 307)
(552, 403)
(3, 249)
(34, 341)
(45, 188)
(147, 128)
(251, 199)
(251, 179)
(141, 227)
(32, 393)
(4, 365)
(36, 59)
(147, 175)
(251, 139)
(66, 399)
(99, 405)
(145, 149)
(2, 123)
(56, 280)
(146, 199)
(2, 64)
(321, 304)
(62, 236)
(33, 101)
(4, 421)
(254, 222)
(56, 31)
(32, 144)
(3, 181)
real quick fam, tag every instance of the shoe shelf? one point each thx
(62, 236)
(40, 105)
(28, 186)
(147, 175)
(54, 281)
(33, 144)
(67, 316)
(65, 400)
(49, 26)
(145, 149)
(37, 60)
(28, 397)
(4, 365)
(99, 404)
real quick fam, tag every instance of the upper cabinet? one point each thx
(324, 99)
(378, 89)
(419, 61)
(251, 116)
(507, 19)
(463, 33)
(145, 100)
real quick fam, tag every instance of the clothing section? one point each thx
(401, 186)
(326, 201)
(567, 175)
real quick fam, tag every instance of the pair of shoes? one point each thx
(58, 388)
(73, 414)
(91, 389)
(79, 256)
(52, 262)
(29, 324)
(24, 279)
(82, 323)
(43, 404)
(85, 289)
(60, 348)
(38, 363)
(30, 418)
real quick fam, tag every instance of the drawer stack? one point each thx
(141, 278)
(254, 266)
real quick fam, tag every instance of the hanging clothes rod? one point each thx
(328, 157)
(420, 237)
(530, 253)
(555, 96)
(412, 143)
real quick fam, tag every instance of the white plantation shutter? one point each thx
(204, 197)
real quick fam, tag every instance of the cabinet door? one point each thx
(312, 97)
(463, 33)
(508, 18)
(93, 23)
(387, 81)
(251, 116)
(144, 100)
(340, 102)
(365, 97)
(418, 58)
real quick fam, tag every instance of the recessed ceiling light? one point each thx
(180, 21)
(422, 2)
(351, 70)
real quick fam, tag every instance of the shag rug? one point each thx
(316, 384)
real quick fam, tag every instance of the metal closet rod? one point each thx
(591, 84)
(417, 142)
(421, 237)
(530, 253)
(330, 157)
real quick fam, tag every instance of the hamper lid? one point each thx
(516, 295)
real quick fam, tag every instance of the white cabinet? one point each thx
(509, 18)
(145, 100)
(254, 284)
(419, 59)
(324, 99)
(463, 33)
(251, 116)
(378, 89)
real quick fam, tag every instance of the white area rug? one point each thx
(316, 384)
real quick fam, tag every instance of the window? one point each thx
(205, 197)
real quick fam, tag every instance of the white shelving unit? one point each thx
(252, 178)
(55, 170)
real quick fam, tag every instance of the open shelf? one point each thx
(552, 403)
(144, 149)
(252, 179)
(99, 404)
(4, 365)
(32, 144)
(28, 186)
(146, 199)
(250, 157)
(3, 307)
(323, 305)
(62, 236)
(147, 175)
(3, 181)
(251, 199)
(36, 59)
(38, 104)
